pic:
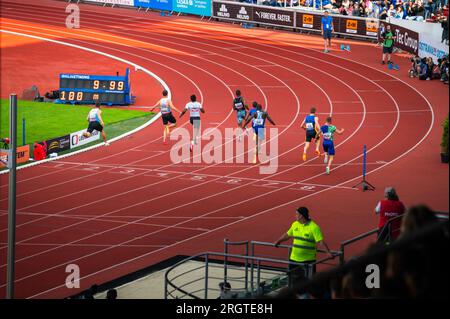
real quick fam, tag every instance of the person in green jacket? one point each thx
(388, 44)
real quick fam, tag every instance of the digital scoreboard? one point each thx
(88, 89)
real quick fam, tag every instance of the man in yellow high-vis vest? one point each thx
(306, 234)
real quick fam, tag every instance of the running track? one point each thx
(118, 209)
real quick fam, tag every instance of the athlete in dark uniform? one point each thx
(241, 109)
(311, 125)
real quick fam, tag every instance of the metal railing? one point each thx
(387, 228)
(248, 274)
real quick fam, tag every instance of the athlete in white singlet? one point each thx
(96, 122)
(165, 106)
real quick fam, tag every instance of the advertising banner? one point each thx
(404, 39)
(22, 155)
(372, 27)
(77, 139)
(309, 21)
(115, 2)
(154, 4)
(292, 18)
(198, 7)
(429, 38)
(233, 11)
(273, 16)
(59, 144)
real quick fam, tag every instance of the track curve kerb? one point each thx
(118, 209)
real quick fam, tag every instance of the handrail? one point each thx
(207, 255)
(439, 215)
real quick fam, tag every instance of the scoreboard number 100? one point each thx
(71, 96)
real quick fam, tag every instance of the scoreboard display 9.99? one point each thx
(89, 89)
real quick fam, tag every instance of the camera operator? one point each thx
(415, 67)
(443, 67)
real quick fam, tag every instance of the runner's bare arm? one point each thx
(100, 117)
(249, 118)
(173, 107)
(270, 120)
(340, 131)
(182, 113)
(303, 125)
(155, 106)
(202, 110)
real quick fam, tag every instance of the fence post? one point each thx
(23, 131)
(12, 161)
(206, 276)
(246, 266)
(225, 262)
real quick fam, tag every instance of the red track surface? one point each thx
(118, 209)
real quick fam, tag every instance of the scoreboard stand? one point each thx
(89, 89)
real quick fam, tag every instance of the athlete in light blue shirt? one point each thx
(327, 29)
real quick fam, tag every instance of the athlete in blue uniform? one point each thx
(165, 105)
(258, 119)
(327, 132)
(311, 125)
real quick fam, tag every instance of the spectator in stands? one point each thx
(443, 66)
(391, 12)
(415, 218)
(415, 67)
(344, 9)
(306, 234)
(383, 14)
(225, 291)
(355, 10)
(414, 12)
(444, 24)
(399, 14)
(431, 69)
(430, 7)
(421, 267)
(354, 284)
(390, 208)
(111, 294)
(91, 292)
(423, 72)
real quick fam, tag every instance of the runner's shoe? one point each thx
(327, 170)
(106, 144)
(304, 157)
(325, 160)
(317, 152)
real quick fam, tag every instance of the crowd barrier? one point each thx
(22, 155)
(418, 38)
(197, 7)
(424, 39)
(294, 18)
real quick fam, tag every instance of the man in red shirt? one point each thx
(389, 208)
